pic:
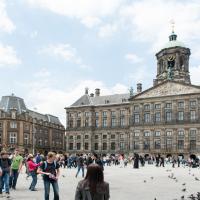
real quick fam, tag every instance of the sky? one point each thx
(51, 50)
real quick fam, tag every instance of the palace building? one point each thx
(27, 130)
(164, 119)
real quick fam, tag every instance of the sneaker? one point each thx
(7, 195)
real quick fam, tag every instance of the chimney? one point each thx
(91, 95)
(86, 90)
(139, 87)
(97, 92)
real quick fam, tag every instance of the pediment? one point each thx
(168, 88)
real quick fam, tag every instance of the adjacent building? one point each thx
(28, 130)
(162, 119)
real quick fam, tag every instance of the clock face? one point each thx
(171, 58)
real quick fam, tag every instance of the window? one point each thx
(169, 144)
(180, 104)
(122, 121)
(45, 142)
(113, 113)
(104, 114)
(13, 115)
(86, 136)
(157, 134)
(13, 138)
(87, 114)
(192, 144)
(79, 114)
(157, 116)
(86, 146)
(136, 108)
(180, 115)
(86, 122)
(78, 137)
(112, 146)
(180, 133)
(104, 137)
(146, 134)
(147, 107)
(96, 114)
(1, 125)
(121, 145)
(157, 144)
(157, 106)
(96, 123)
(26, 139)
(113, 122)
(70, 115)
(96, 146)
(137, 134)
(168, 105)
(104, 122)
(146, 144)
(13, 124)
(40, 142)
(104, 146)
(96, 137)
(78, 122)
(71, 146)
(147, 117)
(168, 116)
(71, 137)
(122, 112)
(136, 118)
(70, 123)
(121, 136)
(112, 136)
(0, 137)
(136, 145)
(169, 133)
(180, 144)
(192, 115)
(192, 133)
(78, 146)
(192, 103)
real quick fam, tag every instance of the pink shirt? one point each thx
(32, 166)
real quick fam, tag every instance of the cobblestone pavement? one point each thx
(146, 183)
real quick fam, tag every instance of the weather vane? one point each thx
(172, 22)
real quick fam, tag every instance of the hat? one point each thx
(30, 156)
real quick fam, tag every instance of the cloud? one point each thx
(107, 30)
(43, 73)
(6, 24)
(194, 75)
(8, 56)
(133, 58)
(34, 34)
(90, 22)
(48, 99)
(64, 51)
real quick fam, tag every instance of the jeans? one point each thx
(34, 180)
(82, 169)
(47, 189)
(4, 181)
(13, 178)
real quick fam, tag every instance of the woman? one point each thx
(32, 169)
(93, 186)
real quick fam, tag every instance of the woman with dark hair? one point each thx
(93, 187)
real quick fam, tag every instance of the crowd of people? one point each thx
(92, 187)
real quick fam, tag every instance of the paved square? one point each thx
(146, 183)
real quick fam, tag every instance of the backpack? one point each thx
(45, 165)
(5, 165)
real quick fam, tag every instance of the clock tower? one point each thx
(173, 61)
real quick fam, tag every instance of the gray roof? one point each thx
(8, 103)
(12, 102)
(87, 100)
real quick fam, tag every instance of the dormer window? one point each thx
(13, 115)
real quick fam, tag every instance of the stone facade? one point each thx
(162, 119)
(28, 130)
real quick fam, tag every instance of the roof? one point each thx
(174, 43)
(87, 100)
(8, 103)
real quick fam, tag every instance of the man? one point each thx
(51, 172)
(16, 167)
(80, 164)
(97, 161)
(5, 165)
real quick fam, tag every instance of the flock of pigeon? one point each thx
(184, 188)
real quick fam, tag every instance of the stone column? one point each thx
(20, 134)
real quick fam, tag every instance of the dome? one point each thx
(174, 43)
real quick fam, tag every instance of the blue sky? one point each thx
(51, 50)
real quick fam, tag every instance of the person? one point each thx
(80, 164)
(16, 167)
(136, 161)
(50, 171)
(5, 165)
(32, 168)
(97, 161)
(93, 187)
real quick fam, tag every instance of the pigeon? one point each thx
(184, 184)
(145, 181)
(196, 179)
(182, 197)
(152, 177)
(184, 189)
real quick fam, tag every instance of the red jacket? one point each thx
(32, 166)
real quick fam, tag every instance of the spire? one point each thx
(173, 36)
